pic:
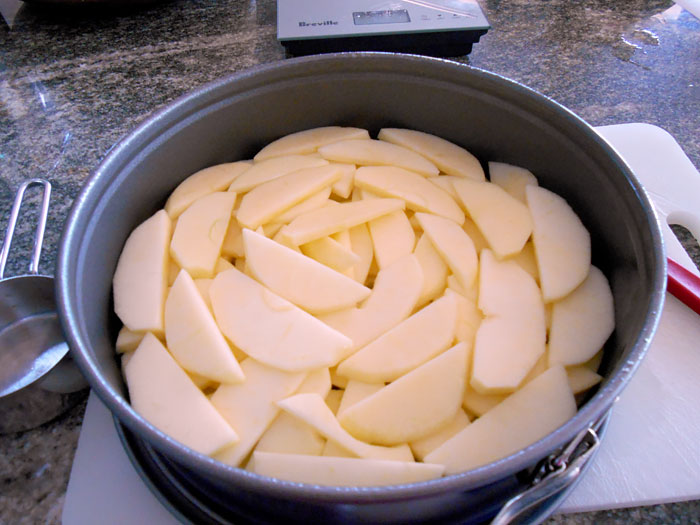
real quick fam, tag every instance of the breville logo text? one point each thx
(324, 23)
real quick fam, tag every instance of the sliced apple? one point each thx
(378, 153)
(512, 179)
(271, 198)
(424, 446)
(344, 186)
(127, 341)
(272, 168)
(475, 235)
(361, 242)
(288, 435)
(356, 391)
(478, 404)
(348, 472)
(271, 329)
(444, 182)
(193, 337)
(312, 202)
(308, 141)
(232, 245)
(204, 182)
(582, 321)
(199, 233)
(453, 244)
(525, 258)
(250, 406)
(392, 238)
(312, 409)
(450, 158)
(468, 317)
(140, 281)
(304, 281)
(173, 270)
(414, 405)
(581, 378)
(333, 400)
(529, 414)
(163, 395)
(562, 243)
(406, 346)
(503, 220)
(419, 193)
(434, 270)
(329, 252)
(395, 293)
(332, 219)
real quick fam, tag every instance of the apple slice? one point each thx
(312, 409)
(392, 238)
(193, 337)
(434, 270)
(525, 258)
(127, 341)
(347, 472)
(140, 281)
(478, 404)
(512, 179)
(529, 414)
(327, 251)
(424, 446)
(304, 281)
(261, 204)
(468, 317)
(396, 290)
(271, 329)
(333, 400)
(444, 182)
(356, 391)
(332, 219)
(419, 193)
(361, 243)
(453, 244)
(502, 219)
(562, 243)
(343, 187)
(163, 395)
(308, 141)
(378, 153)
(313, 202)
(251, 407)
(581, 378)
(204, 182)
(406, 346)
(414, 405)
(232, 245)
(199, 233)
(449, 157)
(582, 321)
(272, 168)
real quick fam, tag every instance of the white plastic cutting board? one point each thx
(651, 453)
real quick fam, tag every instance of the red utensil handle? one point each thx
(684, 284)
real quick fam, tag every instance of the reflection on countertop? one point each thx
(76, 78)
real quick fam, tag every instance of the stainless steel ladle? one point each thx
(38, 380)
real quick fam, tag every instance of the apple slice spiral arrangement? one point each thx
(342, 310)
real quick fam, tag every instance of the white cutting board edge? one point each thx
(649, 455)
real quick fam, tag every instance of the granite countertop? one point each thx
(75, 79)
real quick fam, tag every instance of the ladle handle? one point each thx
(40, 227)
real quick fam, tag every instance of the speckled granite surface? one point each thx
(73, 81)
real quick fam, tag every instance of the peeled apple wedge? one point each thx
(308, 141)
(193, 337)
(512, 179)
(271, 329)
(512, 337)
(304, 281)
(582, 321)
(447, 156)
(361, 243)
(395, 293)
(581, 378)
(344, 186)
(424, 446)
(273, 168)
(356, 391)
(434, 270)
(332, 219)
(250, 406)
(127, 341)
(264, 202)
(453, 244)
(161, 392)
(414, 405)
(392, 238)
(406, 346)
(331, 253)
(312, 409)
(204, 182)
(312, 202)
(141, 278)
(526, 416)
(199, 233)
(378, 153)
(503, 220)
(418, 192)
(562, 243)
(335, 471)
